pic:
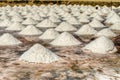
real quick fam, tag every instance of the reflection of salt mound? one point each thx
(30, 30)
(65, 39)
(106, 32)
(39, 54)
(101, 45)
(115, 26)
(96, 24)
(29, 21)
(64, 26)
(16, 26)
(49, 34)
(86, 30)
(46, 24)
(7, 39)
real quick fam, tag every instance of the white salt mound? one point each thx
(64, 26)
(54, 19)
(5, 23)
(65, 39)
(49, 34)
(106, 32)
(101, 45)
(46, 24)
(96, 24)
(30, 30)
(7, 40)
(4, 16)
(97, 16)
(86, 30)
(84, 20)
(99, 76)
(73, 21)
(37, 17)
(16, 19)
(115, 26)
(39, 54)
(113, 19)
(29, 21)
(16, 26)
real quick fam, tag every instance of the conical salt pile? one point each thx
(42, 14)
(97, 16)
(4, 16)
(65, 39)
(64, 26)
(5, 23)
(73, 21)
(46, 24)
(106, 32)
(16, 26)
(7, 40)
(96, 24)
(101, 45)
(29, 21)
(115, 26)
(30, 30)
(49, 34)
(86, 30)
(113, 19)
(39, 54)
(29, 15)
(37, 17)
(16, 19)
(54, 19)
(84, 20)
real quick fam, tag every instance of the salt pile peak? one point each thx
(37, 17)
(29, 21)
(101, 45)
(106, 32)
(54, 19)
(39, 54)
(84, 19)
(4, 16)
(7, 40)
(113, 19)
(17, 19)
(97, 16)
(5, 23)
(65, 26)
(46, 24)
(96, 24)
(49, 34)
(30, 30)
(16, 26)
(86, 30)
(65, 39)
(73, 21)
(115, 26)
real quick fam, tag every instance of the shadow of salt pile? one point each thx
(117, 43)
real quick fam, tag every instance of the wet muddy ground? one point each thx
(76, 65)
